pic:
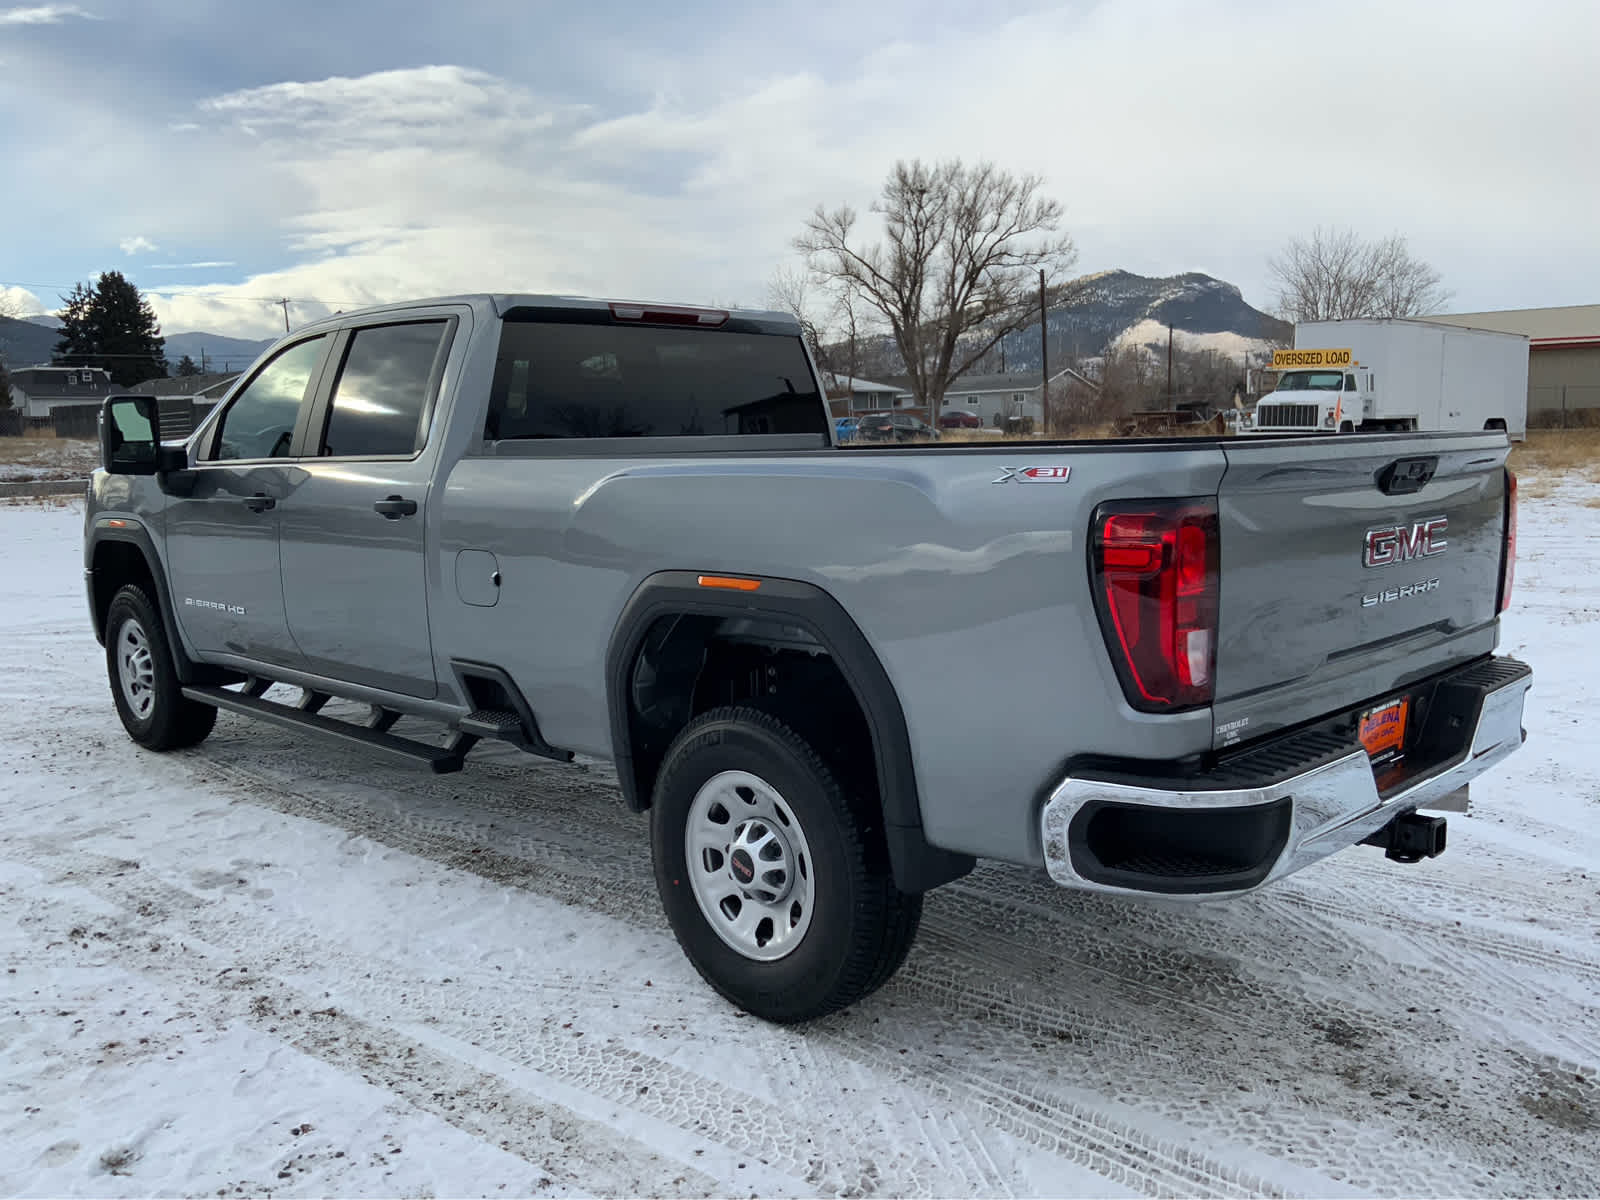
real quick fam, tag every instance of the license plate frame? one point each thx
(1382, 729)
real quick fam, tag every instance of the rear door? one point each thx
(222, 538)
(354, 574)
(1343, 580)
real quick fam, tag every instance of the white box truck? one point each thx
(1361, 376)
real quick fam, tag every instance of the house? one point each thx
(36, 392)
(848, 396)
(208, 387)
(185, 399)
(1016, 394)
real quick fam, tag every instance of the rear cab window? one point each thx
(381, 397)
(596, 378)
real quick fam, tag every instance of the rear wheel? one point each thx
(768, 872)
(144, 684)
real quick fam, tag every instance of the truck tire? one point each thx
(767, 870)
(148, 696)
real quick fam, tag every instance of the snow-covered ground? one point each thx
(272, 967)
(1152, 333)
(26, 460)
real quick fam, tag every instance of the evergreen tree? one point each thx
(5, 385)
(186, 367)
(112, 326)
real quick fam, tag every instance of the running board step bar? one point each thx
(441, 760)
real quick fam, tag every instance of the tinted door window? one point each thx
(260, 421)
(383, 390)
(559, 380)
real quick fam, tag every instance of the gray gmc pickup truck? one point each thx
(834, 677)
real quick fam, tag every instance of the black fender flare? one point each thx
(918, 866)
(131, 532)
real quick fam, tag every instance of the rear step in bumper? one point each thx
(1269, 813)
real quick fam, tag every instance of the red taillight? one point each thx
(1156, 579)
(1508, 565)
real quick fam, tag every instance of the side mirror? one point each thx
(130, 435)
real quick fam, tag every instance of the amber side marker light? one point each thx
(730, 582)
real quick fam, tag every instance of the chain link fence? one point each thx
(1564, 406)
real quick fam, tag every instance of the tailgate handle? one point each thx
(1406, 475)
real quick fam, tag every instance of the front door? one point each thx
(222, 538)
(354, 573)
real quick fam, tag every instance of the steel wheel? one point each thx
(749, 865)
(136, 670)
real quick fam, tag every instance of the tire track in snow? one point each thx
(627, 905)
(159, 932)
(489, 1013)
(487, 814)
(1231, 993)
(1439, 959)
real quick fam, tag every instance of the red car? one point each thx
(960, 418)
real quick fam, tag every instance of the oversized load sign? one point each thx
(1286, 360)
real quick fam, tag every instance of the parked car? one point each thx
(895, 427)
(621, 530)
(960, 418)
(845, 429)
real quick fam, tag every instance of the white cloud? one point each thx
(137, 245)
(19, 302)
(194, 266)
(43, 14)
(1178, 135)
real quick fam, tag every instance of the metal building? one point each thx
(1563, 358)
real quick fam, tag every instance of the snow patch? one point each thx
(1150, 333)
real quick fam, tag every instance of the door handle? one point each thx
(260, 502)
(395, 507)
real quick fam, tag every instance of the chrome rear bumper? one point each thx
(1297, 819)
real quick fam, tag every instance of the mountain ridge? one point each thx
(31, 342)
(1099, 311)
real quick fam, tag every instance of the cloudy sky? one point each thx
(223, 153)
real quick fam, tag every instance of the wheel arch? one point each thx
(124, 554)
(811, 611)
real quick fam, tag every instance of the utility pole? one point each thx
(285, 303)
(1169, 366)
(1044, 357)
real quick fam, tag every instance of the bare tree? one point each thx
(790, 291)
(9, 307)
(1337, 275)
(956, 269)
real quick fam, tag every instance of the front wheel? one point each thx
(145, 686)
(770, 872)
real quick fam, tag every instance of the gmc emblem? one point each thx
(1402, 543)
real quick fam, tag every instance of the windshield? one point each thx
(1310, 381)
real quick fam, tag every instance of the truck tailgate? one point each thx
(1342, 580)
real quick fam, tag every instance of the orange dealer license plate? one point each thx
(1383, 730)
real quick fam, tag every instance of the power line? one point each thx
(189, 290)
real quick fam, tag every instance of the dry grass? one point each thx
(47, 457)
(1559, 452)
